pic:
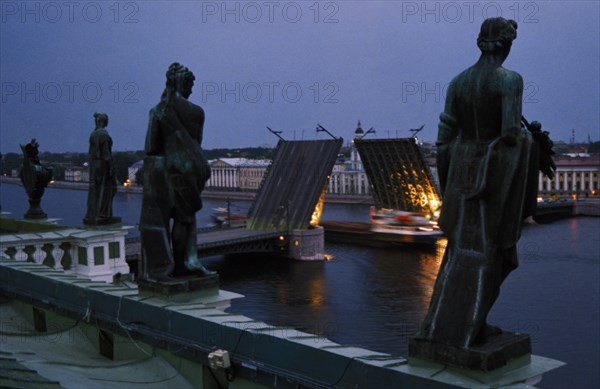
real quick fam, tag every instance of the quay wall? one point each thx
(587, 207)
(582, 206)
(208, 193)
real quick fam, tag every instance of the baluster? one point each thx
(20, 254)
(66, 260)
(48, 258)
(29, 250)
(39, 254)
(10, 252)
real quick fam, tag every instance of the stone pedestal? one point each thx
(113, 221)
(100, 253)
(35, 212)
(180, 289)
(499, 351)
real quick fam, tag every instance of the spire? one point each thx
(359, 131)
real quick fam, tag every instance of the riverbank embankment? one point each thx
(209, 193)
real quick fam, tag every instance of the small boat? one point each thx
(388, 227)
(223, 217)
(393, 221)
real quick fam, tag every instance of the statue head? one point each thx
(31, 150)
(101, 119)
(180, 79)
(496, 36)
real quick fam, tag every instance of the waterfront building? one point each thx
(576, 175)
(348, 176)
(133, 169)
(237, 173)
(77, 174)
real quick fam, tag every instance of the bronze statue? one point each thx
(103, 183)
(35, 179)
(175, 172)
(484, 163)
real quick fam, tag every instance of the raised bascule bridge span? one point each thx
(285, 214)
(400, 180)
(286, 211)
(399, 177)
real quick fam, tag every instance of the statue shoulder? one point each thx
(103, 133)
(464, 78)
(459, 79)
(510, 79)
(154, 111)
(453, 85)
(189, 112)
(195, 109)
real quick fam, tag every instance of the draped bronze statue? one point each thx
(175, 172)
(103, 183)
(488, 176)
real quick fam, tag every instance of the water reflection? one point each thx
(377, 295)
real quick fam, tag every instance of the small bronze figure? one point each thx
(175, 172)
(35, 179)
(103, 183)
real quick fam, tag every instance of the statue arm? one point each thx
(200, 127)
(447, 132)
(447, 128)
(512, 105)
(153, 136)
(106, 148)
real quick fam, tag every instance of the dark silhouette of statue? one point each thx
(484, 162)
(103, 183)
(175, 172)
(35, 179)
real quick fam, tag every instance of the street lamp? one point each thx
(320, 128)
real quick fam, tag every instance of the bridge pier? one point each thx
(307, 245)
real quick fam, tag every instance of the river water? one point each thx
(376, 298)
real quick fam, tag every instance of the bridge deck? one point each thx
(228, 236)
(220, 241)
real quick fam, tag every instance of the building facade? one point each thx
(348, 176)
(237, 173)
(77, 174)
(132, 171)
(576, 175)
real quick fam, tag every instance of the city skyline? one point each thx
(286, 65)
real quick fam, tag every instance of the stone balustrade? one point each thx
(97, 254)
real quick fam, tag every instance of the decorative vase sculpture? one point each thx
(35, 179)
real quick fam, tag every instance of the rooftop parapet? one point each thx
(97, 254)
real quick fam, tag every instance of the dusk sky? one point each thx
(284, 64)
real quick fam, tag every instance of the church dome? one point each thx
(359, 131)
